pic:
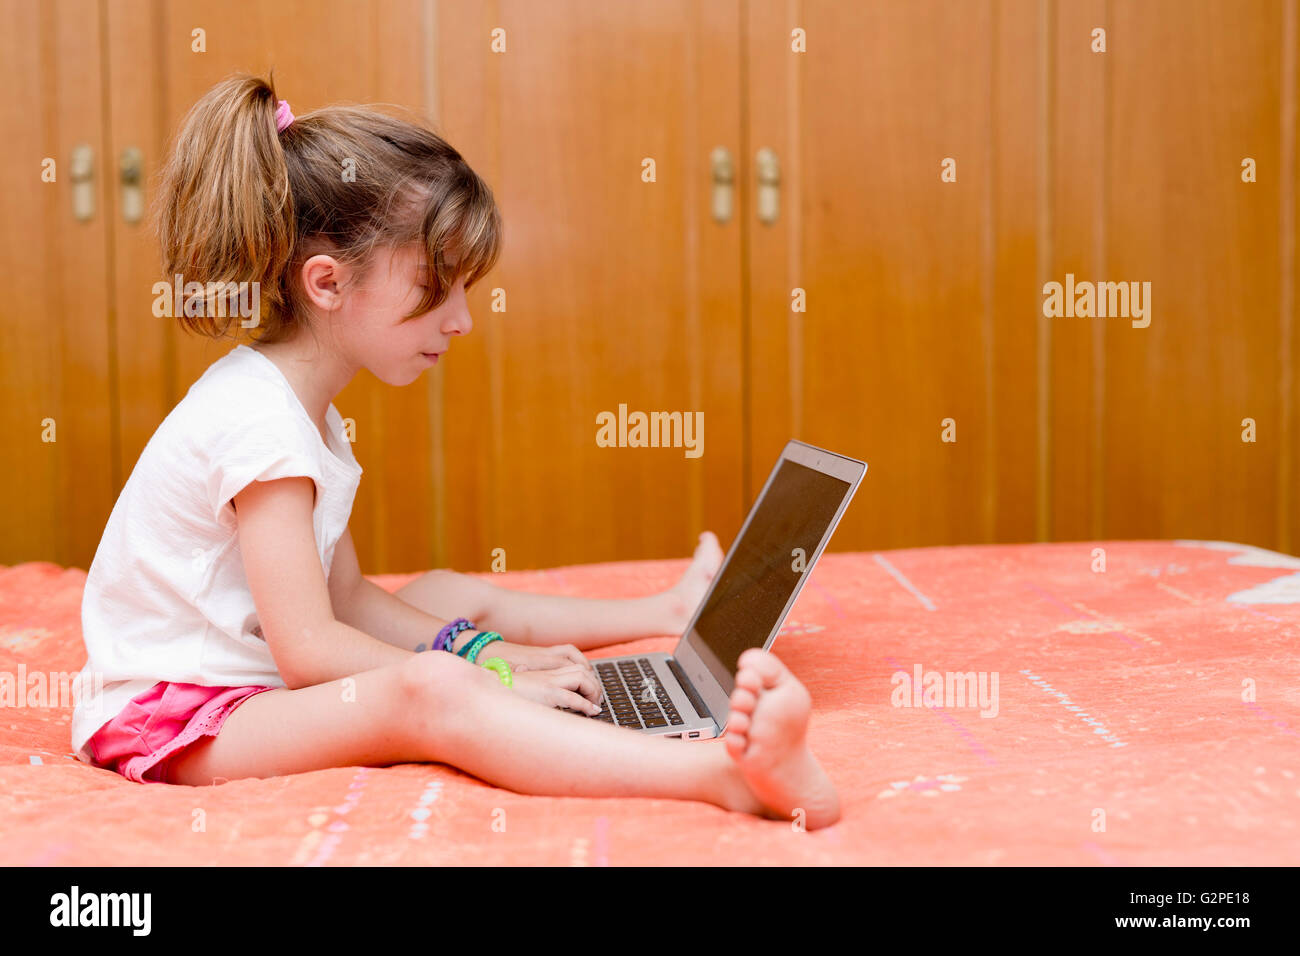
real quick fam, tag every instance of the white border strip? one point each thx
(898, 576)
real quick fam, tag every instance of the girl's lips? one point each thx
(431, 357)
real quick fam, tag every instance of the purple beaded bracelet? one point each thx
(448, 634)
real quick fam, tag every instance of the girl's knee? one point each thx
(436, 681)
(437, 698)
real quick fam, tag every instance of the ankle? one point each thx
(672, 611)
(732, 791)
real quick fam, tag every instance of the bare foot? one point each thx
(767, 738)
(688, 592)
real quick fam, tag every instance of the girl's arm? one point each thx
(361, 607)
(586, 623)
(371, 609)
(536, 619)
(551, 620)
(368, 607)
(309, 645)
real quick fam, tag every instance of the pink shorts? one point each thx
(155, 726)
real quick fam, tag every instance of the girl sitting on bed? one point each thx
(225, 611)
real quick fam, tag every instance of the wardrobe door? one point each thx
(618, 291)
(894, 311)
(56, 397)
(1188, 93)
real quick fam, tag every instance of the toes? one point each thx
(749, 679)
(708, 548)
(743, 700)
(738, 722)
(770, 671)
(736, 742)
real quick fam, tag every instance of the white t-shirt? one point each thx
(166, 597)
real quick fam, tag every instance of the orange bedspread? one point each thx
(1147, 714)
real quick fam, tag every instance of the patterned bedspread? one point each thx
(1107, 703)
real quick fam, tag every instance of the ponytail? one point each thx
(224, 210)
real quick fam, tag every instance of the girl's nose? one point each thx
(459, 322)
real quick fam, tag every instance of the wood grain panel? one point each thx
(1196, 87)
(1076, 185)
(1017, 437)
(54, 323)
(619, 292)
(143, 345)
(897, 263)
(1289, 297)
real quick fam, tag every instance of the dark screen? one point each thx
(760, 577)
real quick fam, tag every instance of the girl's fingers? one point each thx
(565, 686)
(548, 658)
(578, 679)
(574, 655)
(572, 701)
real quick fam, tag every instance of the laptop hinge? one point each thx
(684, 682)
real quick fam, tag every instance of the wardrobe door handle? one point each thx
(724, 184)
(82, 175)
(769, 186)
(132, 179)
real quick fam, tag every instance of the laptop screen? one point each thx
(754, 587)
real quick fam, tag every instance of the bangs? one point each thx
(461, 235)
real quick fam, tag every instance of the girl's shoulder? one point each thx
(241, 386)
(240, 400)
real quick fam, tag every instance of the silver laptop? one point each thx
(687, 693)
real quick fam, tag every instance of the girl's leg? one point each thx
(552, 619)
(435, 708)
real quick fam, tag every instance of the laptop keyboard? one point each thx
(633, 695)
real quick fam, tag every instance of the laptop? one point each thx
(687, 693)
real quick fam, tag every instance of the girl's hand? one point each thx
(528, 657)
(572, 687)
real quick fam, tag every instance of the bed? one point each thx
(1147, 712)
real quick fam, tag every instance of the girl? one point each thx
(225, 611)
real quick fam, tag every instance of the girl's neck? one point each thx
(315, 375)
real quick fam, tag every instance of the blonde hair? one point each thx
(239, 202)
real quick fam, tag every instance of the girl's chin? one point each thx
(400, 377)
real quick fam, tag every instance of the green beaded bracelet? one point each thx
(484, 638)
(464, 650)
(502, 669)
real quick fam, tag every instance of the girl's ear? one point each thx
(322, 280)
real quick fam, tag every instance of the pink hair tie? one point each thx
(283, 116)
